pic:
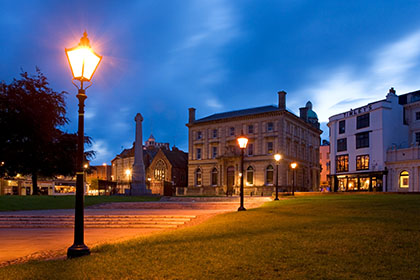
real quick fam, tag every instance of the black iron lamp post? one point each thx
(242, 142)
(83, 63)
(294, 165)
(277, 157)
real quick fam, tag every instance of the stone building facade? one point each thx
(214, 155)
(403, 159)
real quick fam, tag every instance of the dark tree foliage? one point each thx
(31, 142)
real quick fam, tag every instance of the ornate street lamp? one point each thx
(83, 63)
(277, 157)
(128, 174)
(294, 165)
(242, 142)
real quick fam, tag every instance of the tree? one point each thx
(31, 142)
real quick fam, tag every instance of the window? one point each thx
(214, 133)
(417, 115)
(250, 129)
(418, 138)
(341, 127)
(249, 176)
(198, 153)
(404, 179)
(269, 147)
(214, 175)
(199, 135)
(250, 149)
(342, 163)
(362, 140)
(270, 126)
(362, 162)
(232, 131)
(198, 177)
(160, 170)
(363, 121)
(341, 144)
(269, 175)
(213, 152)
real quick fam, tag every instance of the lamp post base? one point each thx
(276, 198)
(76, 251)
(241, 208)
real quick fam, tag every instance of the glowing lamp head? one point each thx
(293, 165)
(128, 172)
(83, 60)
(242, 142)
(277, 157)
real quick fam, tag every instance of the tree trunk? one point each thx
(34, 183)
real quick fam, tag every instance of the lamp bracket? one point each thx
(81, 84)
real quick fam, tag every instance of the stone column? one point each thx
(138, 185)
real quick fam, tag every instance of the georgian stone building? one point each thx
(214, 155)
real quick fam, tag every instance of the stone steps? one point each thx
(95, 221)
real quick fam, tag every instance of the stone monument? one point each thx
(138, 185)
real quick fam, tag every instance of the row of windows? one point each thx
(231, 131)
(250, 150)
(249, 178)
(362, 141)
(362, 121)
(342, 163)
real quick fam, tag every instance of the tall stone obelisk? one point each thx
(138, 185)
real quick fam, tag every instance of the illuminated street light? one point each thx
(277, 157)
(294, 165)
(242, 142)
(83, 63)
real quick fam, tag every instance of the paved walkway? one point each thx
(22, 244)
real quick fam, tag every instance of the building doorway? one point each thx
(230, 180)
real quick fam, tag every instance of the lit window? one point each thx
(342, 163)
(269, 147)
(362, 162)
(214, 175)
(198, 177)
(160, 171)
(269, 175)
(404, 179)
(249, 176)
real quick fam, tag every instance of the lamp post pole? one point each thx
(79, 248)
(293, 165)
(277, 157)
(242, 208)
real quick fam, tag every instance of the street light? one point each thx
(277, 157)
(242, 142)
(128, 173)
(83, 62)
(293, 165)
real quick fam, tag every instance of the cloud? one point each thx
(346, 86)
(214, 103)
(103, 153)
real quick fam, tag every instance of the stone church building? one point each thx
(214, 155)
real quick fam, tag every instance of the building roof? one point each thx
(239, 113)
(177, 158)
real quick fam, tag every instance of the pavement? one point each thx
(46, 234)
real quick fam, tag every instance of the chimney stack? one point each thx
(303, 113)
(192, 115)
(282, 100)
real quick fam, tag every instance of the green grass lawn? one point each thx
(17, 202)
(317, 237)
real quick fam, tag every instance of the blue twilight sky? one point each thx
(162, 57)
